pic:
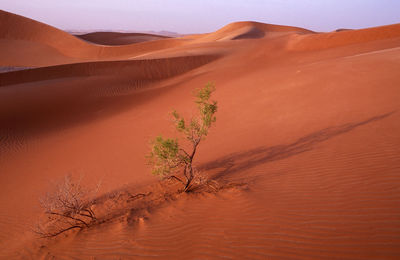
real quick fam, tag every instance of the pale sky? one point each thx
(196, 16)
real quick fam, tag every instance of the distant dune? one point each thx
(251, 30)
(347, 37)
(30, 43)
(306, 146)
(116, 38)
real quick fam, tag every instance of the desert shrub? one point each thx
(168, 157)
(68, 206)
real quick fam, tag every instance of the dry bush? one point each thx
(69, 206)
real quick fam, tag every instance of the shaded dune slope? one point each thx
(67, 94)
(117, 38)
(136, 69)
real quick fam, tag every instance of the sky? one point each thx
(198, 16)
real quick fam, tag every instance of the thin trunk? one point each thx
(196, 143)
(188, 184)
(188, 171)
(189, 178)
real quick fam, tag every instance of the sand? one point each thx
(309, 122)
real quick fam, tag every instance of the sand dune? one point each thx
(308, 122)
(134, 69)
(50, 93)
(31, 44)
(116, 38)
(343, 38)
(250, 30)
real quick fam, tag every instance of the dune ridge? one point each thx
(135, 69)
(251, 30)
(343, 38)
(51, 92)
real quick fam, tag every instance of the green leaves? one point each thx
(204, 94)
(166, 155)
(207, 108)
(179, 122)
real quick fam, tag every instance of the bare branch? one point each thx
(70, 207)
(67, 216)
(186, 153)
(48, 235)
(176, 178)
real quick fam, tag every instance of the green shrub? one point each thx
(168, 157)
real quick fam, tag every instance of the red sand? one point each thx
(309, 121)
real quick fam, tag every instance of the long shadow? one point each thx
(237, 162)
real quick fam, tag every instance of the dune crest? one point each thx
(251, 30)
(343, 38)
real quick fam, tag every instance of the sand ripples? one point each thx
(344, 211)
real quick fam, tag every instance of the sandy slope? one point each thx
(309, 121)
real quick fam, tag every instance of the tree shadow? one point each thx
(237, 162)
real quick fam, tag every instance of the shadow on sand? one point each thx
(237, 162)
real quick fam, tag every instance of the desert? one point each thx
(303, 160)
